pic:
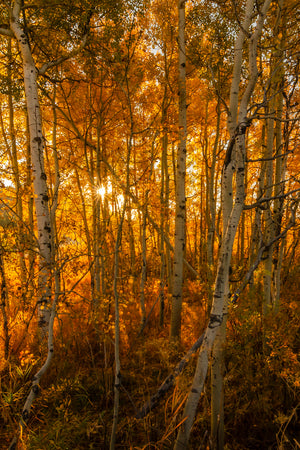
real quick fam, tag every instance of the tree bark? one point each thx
(234, 163)
(280, 162)
(39, 176)
(4, 305)
(179, 245)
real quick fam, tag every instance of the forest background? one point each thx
(149, 200)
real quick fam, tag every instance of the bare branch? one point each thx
(269, 199)
(263, 248)
(6, 31)
(64, 58)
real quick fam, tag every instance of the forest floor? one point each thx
(75, 407)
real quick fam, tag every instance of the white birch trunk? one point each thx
(179, 245)
(39, 176)
(217, 400)
(234, 162)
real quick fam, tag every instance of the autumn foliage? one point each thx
(108, 93)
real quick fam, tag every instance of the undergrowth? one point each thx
(74, 408)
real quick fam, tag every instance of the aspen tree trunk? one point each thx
(161, 236)
(54, 205)
(15, 165)
(280, 162)
(117, 334)
(85, 222)
(4, 305)
(256, 241)
(211, 206)
(218, 350)
(98, 236)
(98, 225)
(92, 241)
(278, 211)
(144, 243)
(179, 245)
(144, 270)
(39, 176)
(166, 264)
(256, 232)
(35, 386)
(30, 203)
(165, 274)
(211, 194)
(117, 385)
(234, 163)
(217, 365)
(165, 257)
(268, 219)
(274, 170)
(131, 244)
(116, 296)
(206, 191)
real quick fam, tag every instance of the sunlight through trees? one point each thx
(149, 224)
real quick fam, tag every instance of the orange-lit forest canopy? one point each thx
(149, 200)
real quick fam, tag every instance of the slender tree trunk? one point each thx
(30, 205)
(234, 163)
(127, 93)
(15, 165)
(256, 232)
(144, 271)
(211, 194)
(211, 205)
(179, 246)
(38, 169)
(4, 306)
(217, 395)
(117, 334)
(164, 205)
(280, 162)
(161, 237)
(85, 222)
(144, 242)
(268, 219)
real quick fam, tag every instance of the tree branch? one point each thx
(64, 58)
(268, 199)
(261, 251)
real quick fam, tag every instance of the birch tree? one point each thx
(179, 245)
(233, 170)
(17, 29)
(46, 311)
(38, 169)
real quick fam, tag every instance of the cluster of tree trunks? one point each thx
(128, 206)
